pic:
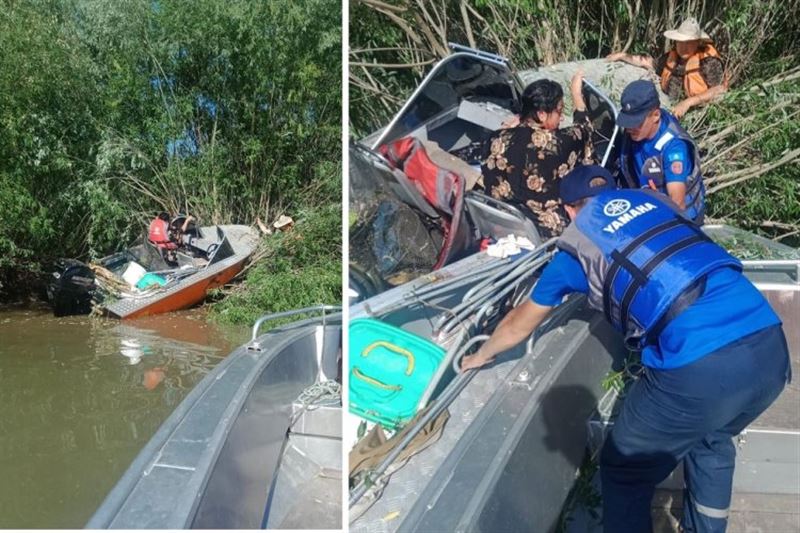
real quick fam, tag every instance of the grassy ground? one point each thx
(291, 270)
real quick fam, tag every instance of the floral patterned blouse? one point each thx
(524, 166)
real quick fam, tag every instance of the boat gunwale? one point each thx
(115, 501)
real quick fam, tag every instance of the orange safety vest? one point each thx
(159, 234)
(693, 82)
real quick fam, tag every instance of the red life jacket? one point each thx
(159, 234)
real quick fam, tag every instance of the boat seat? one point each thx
(201, 244)
(447, 161)
(497, 219)
(150, 256)
(399, 183)
(376, 169)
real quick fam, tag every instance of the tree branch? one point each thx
(738, 176)
(383, 5)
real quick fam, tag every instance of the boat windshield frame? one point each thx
(596, 114)
(468, 57)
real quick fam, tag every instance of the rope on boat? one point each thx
(495, 287)
(325, 390)
(316, 393)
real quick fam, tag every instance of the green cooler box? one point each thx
(389, 371)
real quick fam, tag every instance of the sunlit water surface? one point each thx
(80, 396)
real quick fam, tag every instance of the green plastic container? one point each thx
(389, 371)
(150, 279)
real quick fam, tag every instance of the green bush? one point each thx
(298, 268)
(113, 111)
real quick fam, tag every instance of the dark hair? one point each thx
(541, 95)
(164, 216)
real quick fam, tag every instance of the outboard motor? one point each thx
(71, 288)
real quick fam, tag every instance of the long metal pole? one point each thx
(450, 393)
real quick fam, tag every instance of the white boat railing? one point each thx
(790, 267)
(255, 346)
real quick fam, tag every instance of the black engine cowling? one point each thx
(71, 288)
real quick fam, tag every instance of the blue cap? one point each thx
(575, 185)
(638, 99)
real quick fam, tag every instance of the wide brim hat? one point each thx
(689, 30)
(282, 222)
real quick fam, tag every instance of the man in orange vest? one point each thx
(692, 71)
(159, 235)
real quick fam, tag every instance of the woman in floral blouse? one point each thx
(525, 163)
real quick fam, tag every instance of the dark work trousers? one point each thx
(689, 413)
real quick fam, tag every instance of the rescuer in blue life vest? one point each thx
(657, 153)
(714, 351)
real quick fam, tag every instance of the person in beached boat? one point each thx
(714, 351)
(692, 72)
(523, 164)
(162, 237)
(657, 153)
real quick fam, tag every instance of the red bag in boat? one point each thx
(443, 189)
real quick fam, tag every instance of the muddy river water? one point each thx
(80, 396)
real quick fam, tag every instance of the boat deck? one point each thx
(428, 492)
(322, 494)
(764, 500)
(750, 513)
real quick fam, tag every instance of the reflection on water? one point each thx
(79, 397)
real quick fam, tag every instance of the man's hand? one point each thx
(475, 360)
(681, 108)
(515, 327)
(635, 60)
(186, 222)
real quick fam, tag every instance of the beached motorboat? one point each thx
(518, 431)
(256, 444)
(138, 281)
(406, 225)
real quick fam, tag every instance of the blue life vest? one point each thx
(652, 171)
(644, 261)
